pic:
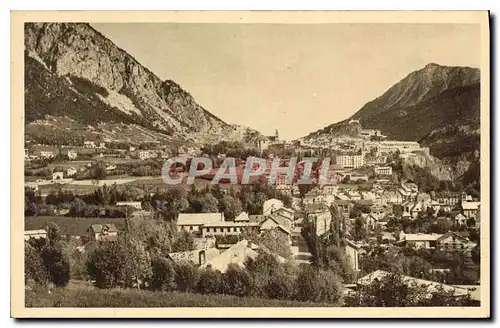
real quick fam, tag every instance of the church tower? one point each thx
(277, 135)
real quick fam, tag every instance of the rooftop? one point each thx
(422, 236)
(199, 218)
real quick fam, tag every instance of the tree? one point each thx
(186, 277)
(441, 226)
(236, 281)
(261, 269)
(99, 172)
(230, 206)
(183, 243)
(205, 203)
(276, 241)
(163, 273)
(393, 291)
(359, 209)
(210, 282)
(334, 258)
(138, 268)
(56, 264)
(107, 264)
(52, 256)
(157, 236)
(33, 266)
(170, 203)
(317, 285)
(304, 189)
(390, 291)
(280, 285)
(359, 229)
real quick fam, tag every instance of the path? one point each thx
(299, 247)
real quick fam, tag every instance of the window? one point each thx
(191, 228)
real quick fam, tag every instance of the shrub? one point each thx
(56, 264)
(186, 277)
(210, 282)
(280, 286)
(261, 270)
(163, 273)
(237, 281)
(317, 285)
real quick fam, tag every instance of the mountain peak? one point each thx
(92, 62)
(424, 100)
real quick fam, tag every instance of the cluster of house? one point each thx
(93, 229)
(353, 149)
(204, 227)
(94, 147)
(71, 153)
(274, 215)
(64, 176)
(401, 201)
(447, 241)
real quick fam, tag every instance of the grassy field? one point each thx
(89, 297)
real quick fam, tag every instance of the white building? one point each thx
(401, 146)
(36, 234)
(192, 222)
(383, 170)
(71, 171)
(46, 154)
(271, 205)
(137, 205)
(470, 208)
(353, 161)
(72, 154)
(144, 154)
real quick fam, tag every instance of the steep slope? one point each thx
(428, 99)
(73, 70)
(416, 88)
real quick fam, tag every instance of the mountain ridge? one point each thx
(416, 93)
(77, 50)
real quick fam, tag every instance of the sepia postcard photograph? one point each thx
(250, 164)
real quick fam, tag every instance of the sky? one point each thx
(296, 78)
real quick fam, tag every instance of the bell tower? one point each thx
(277, 135)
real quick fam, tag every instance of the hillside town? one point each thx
(311, 178)
(368, 222)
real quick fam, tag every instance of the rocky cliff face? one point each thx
(77, 50)
(433, 165)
